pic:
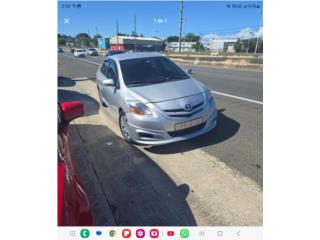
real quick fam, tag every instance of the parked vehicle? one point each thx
(79, 53)
(111, 52)
(73, 204)
(153, 99)
(92, 52)
(72, 50)
(60, 50)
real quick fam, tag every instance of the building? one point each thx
(104, 43)
(136, 43)
(185, 46)
(220, 45)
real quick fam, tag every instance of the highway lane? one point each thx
(246, 84)
(236, 143)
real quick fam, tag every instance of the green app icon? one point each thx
(84, 233)
(184, 233)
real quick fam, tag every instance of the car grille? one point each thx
(180, 112)
(187, 130)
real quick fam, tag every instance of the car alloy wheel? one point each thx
(124, 127)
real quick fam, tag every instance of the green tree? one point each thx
(198, 46)
(82, 40)
(95, 40)
(122, 34)
(172, 39)
(134, 34)
(191, 37)
(238, 46)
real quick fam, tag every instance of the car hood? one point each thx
(166, 91)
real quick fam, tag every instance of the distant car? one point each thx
(79, 53)
(114, 52)
(60, 50)
(92, 52)
(73, 204)
(72, 50)
(154, 101)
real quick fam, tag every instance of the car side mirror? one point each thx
(108, 82)
(189, 71)
(71, 110)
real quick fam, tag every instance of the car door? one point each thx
(112, 92)
(101, 75)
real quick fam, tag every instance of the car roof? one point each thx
(132, 55)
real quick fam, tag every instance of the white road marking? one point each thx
(236, 97)
(218, 93)
(82, 60)
(80, 78)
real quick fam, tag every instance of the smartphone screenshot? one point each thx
(160, 120)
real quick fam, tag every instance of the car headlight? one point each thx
(209, 96)
(139, 108)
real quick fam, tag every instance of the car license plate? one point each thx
(188, 124)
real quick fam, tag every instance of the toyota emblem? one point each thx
(188, 107)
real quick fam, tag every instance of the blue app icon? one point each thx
(98, 233)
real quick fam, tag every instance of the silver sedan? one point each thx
(154, 101)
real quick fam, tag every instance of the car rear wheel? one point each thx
(124, 127)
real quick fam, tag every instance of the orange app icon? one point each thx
(126, 233)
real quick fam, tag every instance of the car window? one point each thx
(151, 70)
(113, 73)
(104, 68)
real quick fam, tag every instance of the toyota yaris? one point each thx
(154, 101)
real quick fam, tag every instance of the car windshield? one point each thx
(151, 70)
(91, 49)
(79, 50)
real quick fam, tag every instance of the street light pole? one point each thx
(181, 18)
(135, 33)
(117, 35)
(255, 50)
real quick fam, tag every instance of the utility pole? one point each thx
(181, 19)
(135, 33)
(255, 50)
(96, 30)
(117, 34)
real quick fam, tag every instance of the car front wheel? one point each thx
(124, 127)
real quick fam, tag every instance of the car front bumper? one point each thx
(162, 132)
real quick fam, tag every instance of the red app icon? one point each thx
(170, 233)
(140, 233)
(126, 233)
(154, 233)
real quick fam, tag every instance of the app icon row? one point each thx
(138, 233)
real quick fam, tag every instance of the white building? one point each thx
(185, 46)
(220, 45)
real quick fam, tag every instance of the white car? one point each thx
(79, 53)
(92, 52)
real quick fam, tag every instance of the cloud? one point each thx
(244, 33)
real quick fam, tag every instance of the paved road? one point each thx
(242, 83)
(216, 179)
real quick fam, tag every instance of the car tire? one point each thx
(124, 128)
(100, 99)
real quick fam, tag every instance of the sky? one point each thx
(161, 18)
